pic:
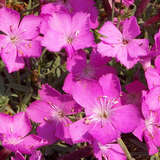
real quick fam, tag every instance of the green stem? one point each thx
(40, 60)
(124, 148)
(119, 13)
(113, 7)
(157, 156)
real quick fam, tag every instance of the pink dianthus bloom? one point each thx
(18, 39)
(80, 68)
(105, 117)
(14, 134)
(69, 32)
(149, 124)
(51, 112)
(123, 46)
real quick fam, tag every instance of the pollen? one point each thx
(20, 52)
(28, 45)
(77, 33)
(70, 39)
(13, 39)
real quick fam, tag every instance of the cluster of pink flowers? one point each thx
(92, 86)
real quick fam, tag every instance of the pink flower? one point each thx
(19, 38)
(75, 35)
(105, 117)
(14, 134)
(123, 46)
(80, 68)
(51, 112)
(149, 126)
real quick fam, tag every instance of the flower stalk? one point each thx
(124, 147)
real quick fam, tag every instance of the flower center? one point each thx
(56, 111)
(10, 139)
(72, 36)
(102, 110)
(70, 39)
(13, 39)
(125, 41)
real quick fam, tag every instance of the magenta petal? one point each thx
(58, 21)
(76, 63)
(131, 28)
(97, 59)
(57, 34)
(56, 38)
(115, 152)
(4, 41)
(157, 63)
(47, 93)
(62, 130)
(29, 48)
(29, 26)
(152, 77)
(110, 85)
(86, 92)
(9, 20)
(10, 58)
(37, 155)
(103, 134)
(87, 7)
(108, 50)
(44, 23)
(109, 151)
(68, 83)
(4, 118)
(138, 132)
(78, 131)
(156, 139)
(21, 125)
(135, 49)
(31, 143)
(125, 118)
(152, 99)
(110, 33)
(18, 156)
(68, 105)
(16, 126)
(47, 132)
(150, 145)
(39, 111)
(80, 25)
